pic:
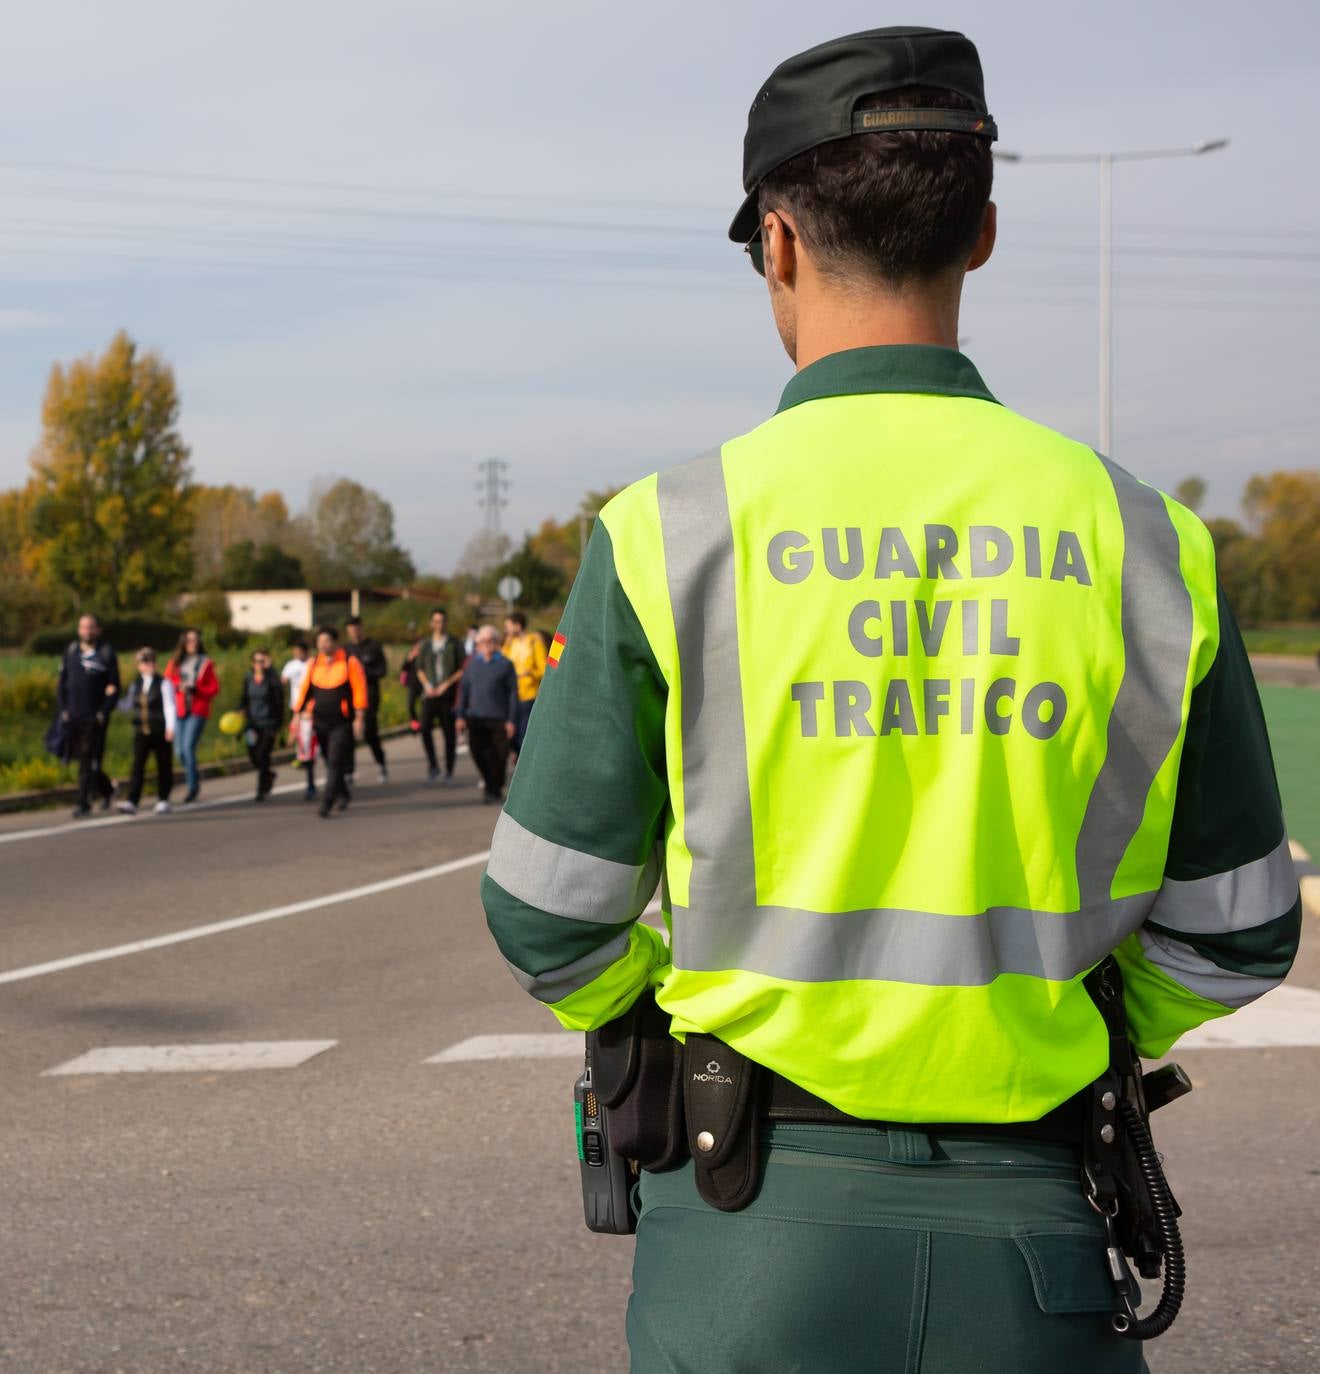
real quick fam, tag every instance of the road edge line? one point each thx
(179, 937)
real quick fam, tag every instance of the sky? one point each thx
(388, 241)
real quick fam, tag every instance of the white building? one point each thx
(257, 612)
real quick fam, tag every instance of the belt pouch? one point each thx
(636, 1068)
(722, 1102)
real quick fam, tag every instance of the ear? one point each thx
(985, 240)
(779, 236)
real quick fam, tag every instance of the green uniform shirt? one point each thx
(921, 709)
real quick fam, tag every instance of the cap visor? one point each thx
(747, 219)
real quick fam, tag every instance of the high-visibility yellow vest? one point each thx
(927, 670)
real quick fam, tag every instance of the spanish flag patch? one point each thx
(556, 651)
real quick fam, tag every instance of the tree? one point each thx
(26, 606)
(1191, 492)
(1285, 506)
(227, 515)
(245, 568)
(542, 584)
(481, 553)
(110, 517)
(351, 532)
(560, 545)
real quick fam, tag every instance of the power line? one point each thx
(357, 188)
(362, 212)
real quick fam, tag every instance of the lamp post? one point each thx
(1106, 161)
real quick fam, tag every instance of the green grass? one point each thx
(1303, 640)
(25, 765)
(1293, 714)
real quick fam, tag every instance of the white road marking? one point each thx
(178, 937)
(250, 1054)
(70, 827)
(1285, 1017)
(545, 1045)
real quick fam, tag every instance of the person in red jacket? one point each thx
(333, 693)
(195, 683)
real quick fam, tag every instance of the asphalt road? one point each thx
(369, 1211)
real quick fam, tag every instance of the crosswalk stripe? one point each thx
(546, 1045)
(246, 1054)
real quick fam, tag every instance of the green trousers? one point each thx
(889, 1252)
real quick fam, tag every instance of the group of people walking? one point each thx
(482, 688)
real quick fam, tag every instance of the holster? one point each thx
(666, 1101)
(1113, 1175)
(637, 1074)
(722, 1102)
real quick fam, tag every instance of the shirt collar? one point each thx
(924, 368)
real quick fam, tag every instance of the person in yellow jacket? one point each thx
(526, 651)
(917, 713)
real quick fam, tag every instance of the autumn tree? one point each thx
(110, 517)
(227, 515)
(352, 543)
(26, 605)
(560, 544)
(1285, 508)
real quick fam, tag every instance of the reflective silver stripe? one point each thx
(717, 804)
(1147, 712)
(568, 882)
(897, 946)
(1199, 975)
(557, 983)
(1251, 895)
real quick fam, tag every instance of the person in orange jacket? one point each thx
(333, 695)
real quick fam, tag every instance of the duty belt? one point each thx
(660, 1103)
(786, 1101)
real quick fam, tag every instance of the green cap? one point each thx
(812, 99)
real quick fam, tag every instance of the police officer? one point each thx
(922, 710)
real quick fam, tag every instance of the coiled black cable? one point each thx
(1166, 1222)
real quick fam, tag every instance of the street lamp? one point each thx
(1106, 163)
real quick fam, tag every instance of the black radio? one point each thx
(607, 1177)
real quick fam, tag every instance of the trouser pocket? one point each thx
(1034, 1301)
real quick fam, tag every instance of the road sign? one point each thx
(510, 588)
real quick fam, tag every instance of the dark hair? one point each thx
(893, 207)
(353, 620)
(518, 619)
(439, 610)
(181, 648)
(299, 644)
(327, 630)
(146, 651)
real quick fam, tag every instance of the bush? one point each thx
(127, 635)
(31, 693)
(209, 612)
(400, 622)
(34, 775)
